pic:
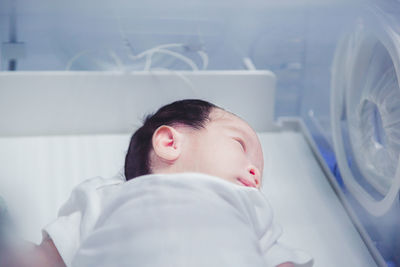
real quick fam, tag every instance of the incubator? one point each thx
(317, 80)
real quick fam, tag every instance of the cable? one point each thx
(117, 60)
(204, 57)
(74, 58)
(152, 50)
(171, 53)
(162, 49)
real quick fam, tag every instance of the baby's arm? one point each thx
(47, 254)
(31, 255)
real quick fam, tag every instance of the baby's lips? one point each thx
(246, 182)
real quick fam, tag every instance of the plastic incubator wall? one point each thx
(296, 40)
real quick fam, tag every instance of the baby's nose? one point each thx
(255, 175)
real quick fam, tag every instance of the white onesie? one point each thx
(186, 219)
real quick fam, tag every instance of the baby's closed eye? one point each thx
(241, 142)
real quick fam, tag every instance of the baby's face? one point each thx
(228, 148)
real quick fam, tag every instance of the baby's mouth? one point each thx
(246, 182)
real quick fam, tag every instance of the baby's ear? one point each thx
(167, 143)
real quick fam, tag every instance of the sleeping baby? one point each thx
(189, 196)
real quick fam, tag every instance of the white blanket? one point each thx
(186, 220)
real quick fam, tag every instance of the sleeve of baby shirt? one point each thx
(78, 216)
(275, 253)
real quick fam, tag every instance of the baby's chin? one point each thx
(239, 181)
(246, 182)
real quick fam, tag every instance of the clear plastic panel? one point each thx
(365, 112)
(368, 100)
(374, 120)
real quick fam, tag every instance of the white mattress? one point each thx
(305, 204)
(38, 173)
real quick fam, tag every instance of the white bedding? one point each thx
(184, 220)
(38, 174)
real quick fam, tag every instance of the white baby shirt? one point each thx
(77, 217)
(187, 219)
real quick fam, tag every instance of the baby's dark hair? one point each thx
(190, 112)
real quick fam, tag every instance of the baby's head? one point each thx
(196, 136)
